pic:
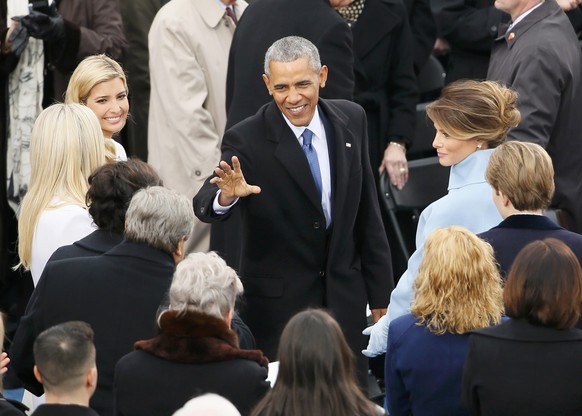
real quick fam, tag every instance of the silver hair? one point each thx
(159, 217)
(290, 49)
(203, 282)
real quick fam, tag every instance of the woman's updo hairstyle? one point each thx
(480, 110)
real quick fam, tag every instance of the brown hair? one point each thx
(458, 287)
(544, 285)
(479, 110)
(524, 173)
(316, 374)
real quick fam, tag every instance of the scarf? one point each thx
(352, 12)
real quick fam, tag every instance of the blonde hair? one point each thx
(524, 173)
(458, 287)
(66, 145)
(91, 71)
(478, 110)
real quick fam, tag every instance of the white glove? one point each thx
(378, 337)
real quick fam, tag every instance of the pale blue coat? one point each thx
(469, 203)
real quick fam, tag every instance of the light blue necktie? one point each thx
(312, 158)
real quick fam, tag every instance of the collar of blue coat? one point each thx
(470, 170)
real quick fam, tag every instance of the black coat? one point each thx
(516, 369)
(63, 410)
(266, 21)
(96, 243)
(117, 293)
(195, 354)
(384, 74)
(290, 261)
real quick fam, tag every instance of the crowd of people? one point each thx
(228, 265)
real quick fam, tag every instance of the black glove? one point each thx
(49, 27)
(18, 39)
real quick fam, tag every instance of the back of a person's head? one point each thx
(203, 282)
(159, 217)
(91, 71)
(481, 110)
(544, 285)
(66, 145)
(524, 173)
(63, 356)
(458, 286)
(207, 405)
(316, 373)
(111, 188)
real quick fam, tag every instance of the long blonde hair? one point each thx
(458, 287)
(66, 145)
(91, 71)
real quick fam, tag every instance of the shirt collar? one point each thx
(524, 15)
(315, 125)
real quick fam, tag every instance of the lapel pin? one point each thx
(511, 36)
(348, 145)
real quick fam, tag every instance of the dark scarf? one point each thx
(196, 337)
(351, 13)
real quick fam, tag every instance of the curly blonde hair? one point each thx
(458, 287)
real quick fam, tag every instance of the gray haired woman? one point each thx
(195, 350)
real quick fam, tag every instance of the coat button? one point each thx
(197, 173)
(322, 273)
(494, 29)
(316, 225)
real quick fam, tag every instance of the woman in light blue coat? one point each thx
(471, 118)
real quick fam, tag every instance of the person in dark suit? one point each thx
(64, 357)
(315, 20)
(522, 177)
(530, 365)
(195, 348)
(458, 289)
(117, 293)
(111, 187)
(312, 233)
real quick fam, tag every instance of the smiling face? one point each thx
(451, 150)
(295, 88)
(108, 100)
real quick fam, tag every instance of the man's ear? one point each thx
(323, 76)
(180, 250)
(92, 377)
(37, 374)
(267, 83)
(504, 199)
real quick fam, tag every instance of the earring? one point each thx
(479, 146)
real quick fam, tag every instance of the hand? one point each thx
(16, 37)
(232, 182)
(378, 337)
(378, 313)
(567, 5)
(395, 163)
(49, 27)
(4, 360)
(441, 46)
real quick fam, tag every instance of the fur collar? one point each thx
(197, 338)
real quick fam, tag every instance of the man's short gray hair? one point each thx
(203, 282)
(290, 49)
(159, 217)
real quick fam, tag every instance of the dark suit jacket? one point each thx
(519, 369)
(96, 243)
(290, 261)
(384, 73)
(517, 231)
(63, 410)
(117, 293)
(266, 21)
